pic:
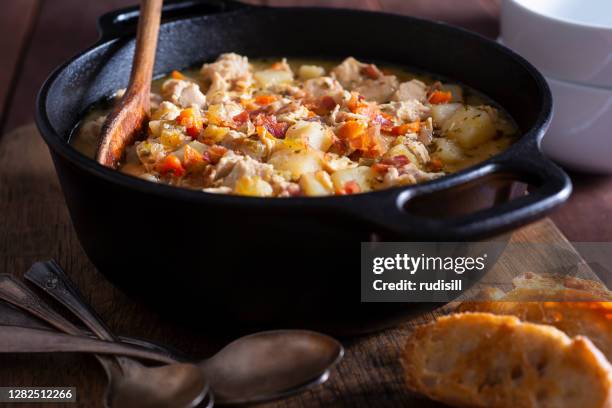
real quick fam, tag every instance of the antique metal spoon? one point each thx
(242, 374)
(128, 380)
(255, 368)
(126, 120)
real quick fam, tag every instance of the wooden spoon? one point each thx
(125, 123)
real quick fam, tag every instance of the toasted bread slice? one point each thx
(571, 305)
(487, 360)
(557, 283)
(590, 319)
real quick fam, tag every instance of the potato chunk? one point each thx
(362, 175)
(441, 112)
(270, 77)
(312, 134)
(310, 71)
(470, 127)
(316, 184)
(401, 150)
(295, 162)
(447, 151)
(253, 186)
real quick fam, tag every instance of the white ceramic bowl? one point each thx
(566, 39)
(580, 136)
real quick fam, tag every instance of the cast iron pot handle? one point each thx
(550, 187)
(123, 21)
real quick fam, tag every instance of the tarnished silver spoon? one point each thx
(240, 374)
(172, 385)
(255, 368)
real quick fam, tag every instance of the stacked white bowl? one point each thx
(570, 42)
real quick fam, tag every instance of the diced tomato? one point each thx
(277, 129)
(350, 187)
(327, 102)
(437, 97)
(171, 165)
(397, 161)
(385, 121)
(380, 167)
(177, 75)
(412, 127)
(240, 119)
(265, 99)
(371, 71)
(192, 121)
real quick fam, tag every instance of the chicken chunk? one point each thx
(407, 174)
(183, 93)
(317, 88)
(378, 90)
(348, 72)
(407, 111)
(232, 68)
(218, 91)
(411, 90)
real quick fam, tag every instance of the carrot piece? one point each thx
(214, 154)
(191, 120)
(192, 159)
(177, 75)
(354, 133)
(172, 165)
(356, 103)
(277, 65)
(265, 99)
(435, 164)
(438, 97)
(412, 127)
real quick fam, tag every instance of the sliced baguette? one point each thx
(487, 360)
(577, 287)
(590, 319)
(570, 304)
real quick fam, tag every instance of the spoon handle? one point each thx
(49, 277)
(15, 339)
(17, 294)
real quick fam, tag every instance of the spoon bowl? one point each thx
(270, 365)
(255, 368)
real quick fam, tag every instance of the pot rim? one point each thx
(529, 140)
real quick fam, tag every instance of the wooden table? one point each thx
(37, 35)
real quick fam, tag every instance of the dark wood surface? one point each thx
(36, 36)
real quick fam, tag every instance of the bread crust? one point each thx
(571, 306)
(488, 360)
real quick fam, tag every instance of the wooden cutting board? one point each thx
(35, 225)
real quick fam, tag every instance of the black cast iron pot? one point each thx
(261, 262)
